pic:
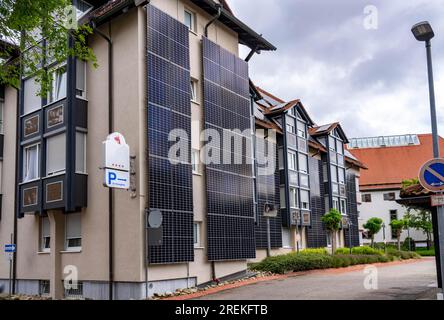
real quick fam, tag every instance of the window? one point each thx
(341, 175)
(196, 234)
(45, 235)
(367, 197)
(286, 238)
(340, 160)
(290, 125)
(340, 147)
(303, 163)
(73, 232)
(328, 239)
(301, 129)
(334, 173)
(59, 85)
(391, 196)
(343, 206)
(336, 203)
(55, 154)
(193, 88)
(81, 79)
(332, 143)
(293, 198)
(282, 197)
(80, 152)
(281, 158)
(190, 20)
(305, 200)
(292, 160)
(82, 8)
(304, 180)
(31, 101)
(31, 163)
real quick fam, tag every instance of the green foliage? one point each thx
(403, 254)
(25, 23)
(409, 182)
(425, 252)
(405, 245)
(365, 250)
(332, 220)
(373, 225)
(293, 262)
(314, 251)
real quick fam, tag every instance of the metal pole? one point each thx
(349, 237)
(268, 238)
(11, 254)
(440, 209)
(383, 234)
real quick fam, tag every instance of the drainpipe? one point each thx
(17, 159)
(252, 52)
(110, 130)
(216, 17)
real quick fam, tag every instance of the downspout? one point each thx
(216, 17)
(17, 148)
(110, 130)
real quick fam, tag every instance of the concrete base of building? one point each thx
(99, 290)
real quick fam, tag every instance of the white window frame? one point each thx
(59, 171)
(53, 71)
(196, 234)
(25, 162)
(82, 94)
(83, 134)
(195, 161)
(307, 207)
(290, 125)
(67, 247)
(43, 236)
(336, 203)
(294, 198)
(301, 133)
(292, 165)
(32, 108)
(305, 157)
(194, 92)
(193, 19)
(343, 205)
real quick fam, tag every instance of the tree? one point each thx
(25, 23)
(397, 227)
(422, 220)
(332, 223)
(373, 226)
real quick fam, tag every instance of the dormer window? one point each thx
(82, 9)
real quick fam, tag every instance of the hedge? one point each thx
(294, 262)
(365, 250)
(314, 251)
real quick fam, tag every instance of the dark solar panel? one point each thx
(170, 185)
(229, 186)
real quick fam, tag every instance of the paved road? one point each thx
(401, 282)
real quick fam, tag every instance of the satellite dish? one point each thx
(155, 219)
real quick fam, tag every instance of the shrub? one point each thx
(342, 251)
(366, 251)
(404, 255)
(314, 251)
(405, 244)
(426, 253)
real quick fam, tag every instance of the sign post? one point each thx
(10, 249)
(431, 177)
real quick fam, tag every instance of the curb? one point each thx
(292, 274)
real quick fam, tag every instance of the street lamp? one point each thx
(423, 32)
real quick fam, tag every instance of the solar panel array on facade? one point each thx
(169, 107)
(230, 184)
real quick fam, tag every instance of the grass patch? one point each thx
(425, 253)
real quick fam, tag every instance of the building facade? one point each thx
(390, 161)
(169, 75)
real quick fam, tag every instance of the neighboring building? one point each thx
(390, 160)
(314, 174)
(166, 74)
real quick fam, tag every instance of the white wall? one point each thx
(381, 209)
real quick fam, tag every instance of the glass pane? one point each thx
(341, 175)
(332, 143)
(73, 227)
(80, 152)
(282, 197)
(189, 20)
(304, 180)
(55, 154)
(58, 87)
(31, 163)
(334, 173)
(80, 78)
(290, 124)
(303, 165)
(32, 101)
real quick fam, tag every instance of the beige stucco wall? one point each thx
(128, 33)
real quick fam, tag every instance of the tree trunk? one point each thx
(373, 240)
(333, 242)
(399, 243)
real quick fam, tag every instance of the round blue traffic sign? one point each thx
(431, 175)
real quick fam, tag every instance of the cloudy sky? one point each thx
(374, 81)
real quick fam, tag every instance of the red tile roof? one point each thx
(389, 166)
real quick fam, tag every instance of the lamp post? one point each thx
(423, 32)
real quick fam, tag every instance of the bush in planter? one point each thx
(366, 251)
(342, 251)
(314, 251)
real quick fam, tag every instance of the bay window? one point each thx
(58, 85)
(80, 152)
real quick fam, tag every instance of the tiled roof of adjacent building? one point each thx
(389, 166)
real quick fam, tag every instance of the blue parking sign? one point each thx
(10, 248)
(431, 175)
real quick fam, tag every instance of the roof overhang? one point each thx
(247, 36)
